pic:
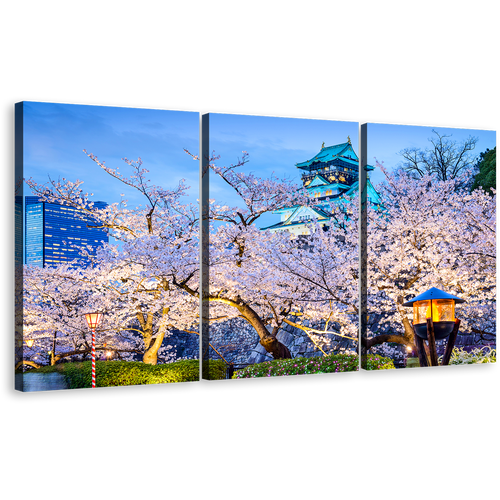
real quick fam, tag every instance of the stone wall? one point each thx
(235, 339)
(300, 343)
(239, 343)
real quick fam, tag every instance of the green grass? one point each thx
(332, 363)
(118, 373)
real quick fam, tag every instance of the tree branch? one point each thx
(308, 329)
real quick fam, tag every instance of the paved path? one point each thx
(43, 382)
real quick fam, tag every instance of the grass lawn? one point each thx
(117, 373)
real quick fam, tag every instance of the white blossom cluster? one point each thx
(424, 233)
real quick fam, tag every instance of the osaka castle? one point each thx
(330, 177)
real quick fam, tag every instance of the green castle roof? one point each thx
(342, 151)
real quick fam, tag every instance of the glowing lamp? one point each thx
(435, 304)
(93, 320)
(30, 342)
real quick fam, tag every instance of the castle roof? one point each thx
(319, 182)
(343, 151)
(371, 192)
(292, 221)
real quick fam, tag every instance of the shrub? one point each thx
(118, 373)
(376, 362)
(460, 356)
(331, 363)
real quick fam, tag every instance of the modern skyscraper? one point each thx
(51, 230)
(18, 225)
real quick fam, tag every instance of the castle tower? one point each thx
(329, 177)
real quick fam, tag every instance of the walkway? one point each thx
(35, 382)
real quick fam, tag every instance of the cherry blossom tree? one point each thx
(237, 277)
(428, 232)
(142, 278)
(55, 303)
(319, 273)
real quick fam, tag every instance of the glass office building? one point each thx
(53, 233)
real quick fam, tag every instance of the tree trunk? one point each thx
(270, 343)
(273, 346)
(381, 339)
(151, 355)
(407, 339)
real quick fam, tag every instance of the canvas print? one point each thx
(280, 293)
(302, 236)
(430, 201)
(284, 292)
(107, 224)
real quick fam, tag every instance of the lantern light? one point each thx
(93, 319)
(30, 342)
(435, 304)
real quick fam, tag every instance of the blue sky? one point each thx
(276, 144)
(56, 134)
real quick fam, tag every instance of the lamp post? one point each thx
(434, 319)
(93, 320)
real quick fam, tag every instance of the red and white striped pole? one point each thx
(93, 358)
(93, 320)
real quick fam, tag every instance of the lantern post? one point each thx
(93, 320)
(434, 319)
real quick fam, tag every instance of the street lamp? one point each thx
(93, 320)
(434, 319)
(30, 342)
